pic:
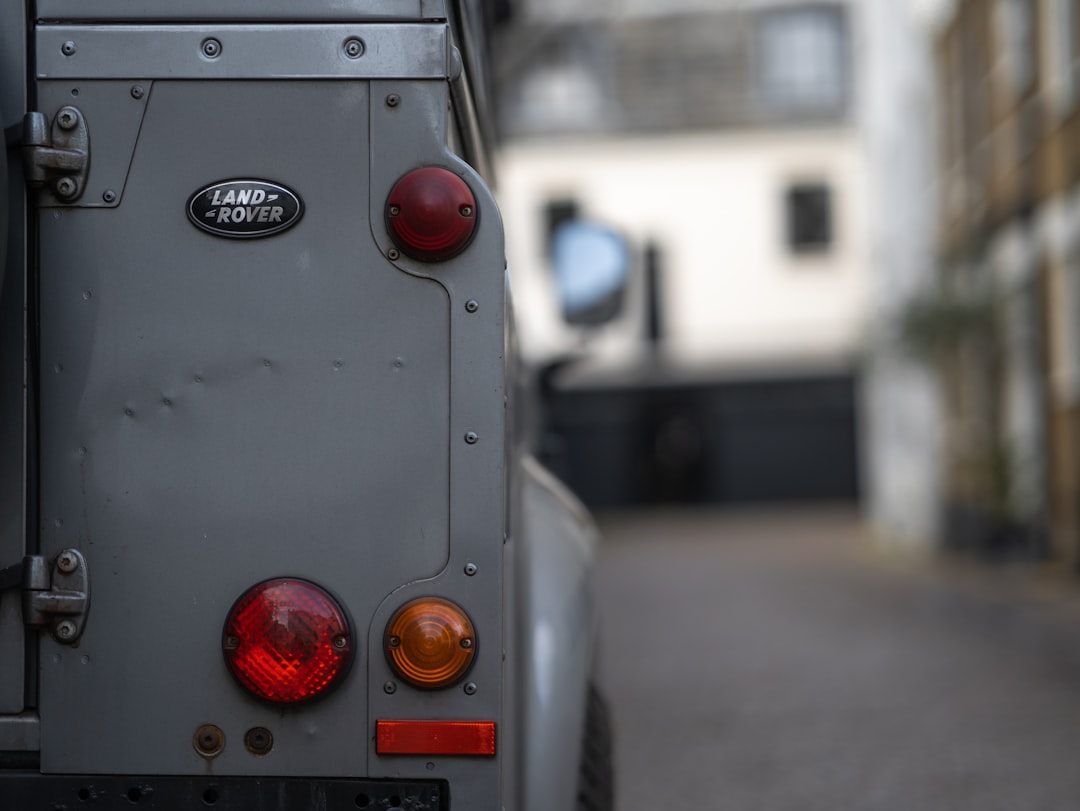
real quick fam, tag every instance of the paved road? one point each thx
(773, 663)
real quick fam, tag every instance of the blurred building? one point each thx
(722, 139)
(1004, 323)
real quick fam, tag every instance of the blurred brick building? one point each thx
(1003, 324)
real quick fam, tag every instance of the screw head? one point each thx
(353, 47)
(470, 688)
(466, 211)
(211, 48)
(67, 561)
(471, 437)
(259, 740)
(66, 630)
(393, 100)
(389, 688)
(466, 643)
(394, 642)
(67, 118)
(68, 48)
(471, 569)
(340, 642)
(209, 740)
(109, 196)
(65, 188)
(137, 91)
(472, 305)
(393, 254)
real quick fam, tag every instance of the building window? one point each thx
(809, 218)
(802, 60)
(1015, 25)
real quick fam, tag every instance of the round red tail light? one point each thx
(286, 641)
(431, 214)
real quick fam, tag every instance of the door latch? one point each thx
(57, 156)
(55, 597)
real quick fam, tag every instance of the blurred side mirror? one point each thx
(592, 264)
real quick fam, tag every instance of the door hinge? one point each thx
(57, 156)
(56, 596)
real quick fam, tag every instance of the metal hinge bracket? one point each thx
(55, 597)
(57, 156)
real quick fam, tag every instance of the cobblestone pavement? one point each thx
(772, 662)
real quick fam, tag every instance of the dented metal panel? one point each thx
(220, 412)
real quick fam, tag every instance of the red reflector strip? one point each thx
(435, 738)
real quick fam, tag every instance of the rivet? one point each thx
(354, 48)
(137, 91)
(211, 48)
(472, 437)
(109, 196)
(68, 48)
(470, 688)
(393, 100)
(471, 569)
(389, 688)
(472, 305)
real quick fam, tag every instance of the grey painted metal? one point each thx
(329, 10)
(12, 356)
(403, 137)
(20, 732)
(114, 115)
(557, 635)
(216, 413)
(392, 51)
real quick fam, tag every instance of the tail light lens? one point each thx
(286, 641)
(430, 643)
(431, 214)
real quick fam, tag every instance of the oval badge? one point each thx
(245, 209)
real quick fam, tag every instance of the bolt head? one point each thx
(472, 305)
(354, 48)
(67, 119)
(393, 100)
(65, 630)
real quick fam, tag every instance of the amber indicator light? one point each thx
(286, 640)
(435, 738)
(430, 642)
